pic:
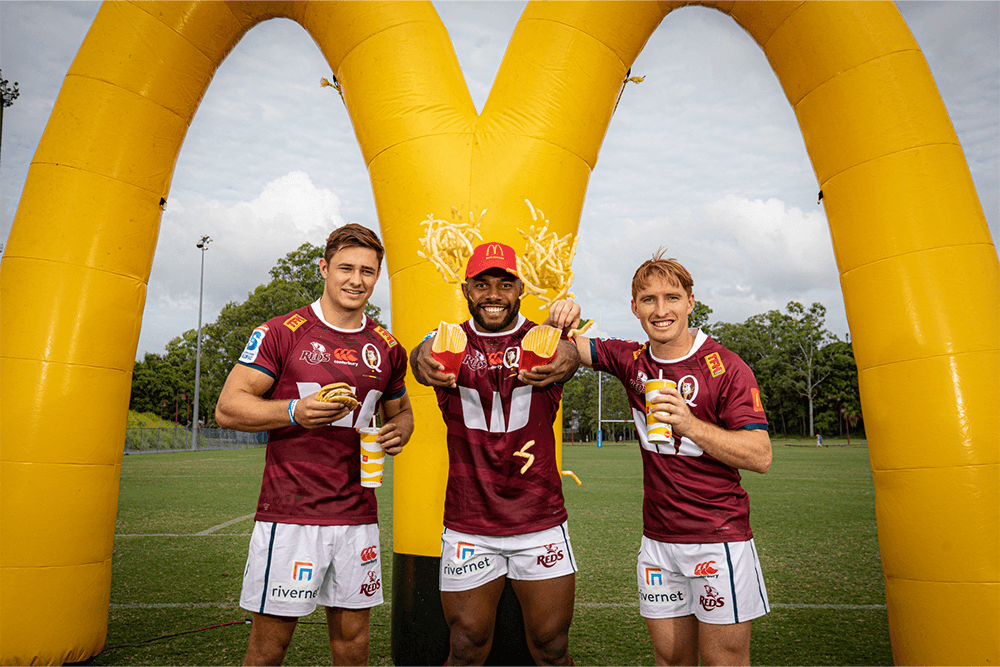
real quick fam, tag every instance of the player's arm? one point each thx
(397, 424)
(565, 314)
(426, 369)
(747, 449)
(242, 407)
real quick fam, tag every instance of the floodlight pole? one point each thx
(203, 246)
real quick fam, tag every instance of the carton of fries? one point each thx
(538, 346)
(448, 347)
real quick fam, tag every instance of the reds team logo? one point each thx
(553, 554)
(370, 587)
(688, 386)
(316, 356)
(369, 555)
(371, 357)
(475, 361)
(711, 599)
(639, 383)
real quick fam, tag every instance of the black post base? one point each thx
(419, 631)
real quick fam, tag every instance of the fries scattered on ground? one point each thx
(524, 454)
(448, 245)
(575, 478)
(546, 261)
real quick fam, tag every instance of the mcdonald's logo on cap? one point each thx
(492, 256)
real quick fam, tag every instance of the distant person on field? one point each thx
(499, 522)
(700, 582)
(316, 537)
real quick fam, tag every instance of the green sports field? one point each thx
(184, 521)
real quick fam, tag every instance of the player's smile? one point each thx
(663, 308)
(350, 277)
(494, 299)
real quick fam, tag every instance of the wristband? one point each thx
(291, 411)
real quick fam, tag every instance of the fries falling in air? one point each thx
(448, 245)
(545, 263)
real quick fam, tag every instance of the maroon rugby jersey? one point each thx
(313, 476)
(689, 497)
(489, 416)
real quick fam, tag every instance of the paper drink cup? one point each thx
(656, 431)
(452, 361)
(372, 458)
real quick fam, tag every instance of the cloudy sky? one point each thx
(704, 157)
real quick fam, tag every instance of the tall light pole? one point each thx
(203, 246)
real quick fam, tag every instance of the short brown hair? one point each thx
(658, 267)
(353, 235)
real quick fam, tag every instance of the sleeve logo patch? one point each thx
(714, 362)
(294, 322)
(757, 405)
(252, 349)
(635, 355)
(386, 336)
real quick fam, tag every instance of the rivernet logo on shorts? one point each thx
(302, 571)
(464, 551)
(654, 576)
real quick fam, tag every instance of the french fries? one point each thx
(448, 245)
(545, 263)
(538, 346)
(580, 330)
(523, 453)
(448, 347)
(569, 473)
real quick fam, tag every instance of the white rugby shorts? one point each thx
(291, 568)
(469, 561)
(719, 583)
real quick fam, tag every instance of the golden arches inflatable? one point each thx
(900, 201)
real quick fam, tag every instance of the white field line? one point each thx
(228, 523)
(207, 532)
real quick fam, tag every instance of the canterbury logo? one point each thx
(345, 354)
(369, 554)
(705, 569)
(494, 251)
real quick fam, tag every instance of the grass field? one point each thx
(184, 521)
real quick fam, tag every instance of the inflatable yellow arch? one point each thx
(917, 265)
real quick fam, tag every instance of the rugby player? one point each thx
(700, 582)
(316, 538)
(500, 523)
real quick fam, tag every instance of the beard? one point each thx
(493, 328)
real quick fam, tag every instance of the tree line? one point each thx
(807, 376)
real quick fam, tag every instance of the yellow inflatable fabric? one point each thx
(901, 205)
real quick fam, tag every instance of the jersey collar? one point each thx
(318, 311)
(699, 340)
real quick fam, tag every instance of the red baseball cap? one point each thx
(492, 256)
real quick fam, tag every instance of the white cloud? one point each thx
(247, 240)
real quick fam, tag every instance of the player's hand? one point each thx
(310, 413)
(561, 368)
(671, 408)
(563, 314)
(390, 437)
(428, 370)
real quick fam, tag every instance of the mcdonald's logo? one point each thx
(494, 251)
